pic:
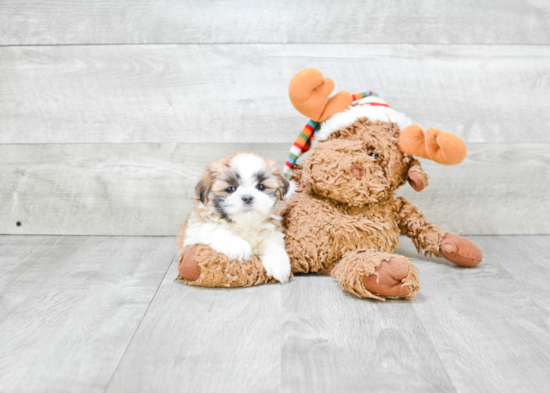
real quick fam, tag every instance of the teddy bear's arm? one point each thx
(417, 178)
(434, 241)
(424, 234)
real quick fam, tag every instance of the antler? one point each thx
(309, 93)
(441, 147)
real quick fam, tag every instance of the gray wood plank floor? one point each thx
(69, 306)
(97, 314)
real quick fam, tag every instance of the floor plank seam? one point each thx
(534, 301)
(434, 347)
(273, 43)
(139, 324)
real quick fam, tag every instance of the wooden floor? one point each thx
(103, 314)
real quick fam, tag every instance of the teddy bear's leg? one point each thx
(377, 275)
(188, 266)
(200, 265)
(434, 241)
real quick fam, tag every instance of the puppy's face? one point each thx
(243, 188)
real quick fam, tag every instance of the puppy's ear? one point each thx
(204, 186)
(283, 185)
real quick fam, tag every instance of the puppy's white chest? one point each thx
(255, 236)
(224, 236)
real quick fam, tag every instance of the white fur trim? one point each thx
(376, 99)
(374, 113)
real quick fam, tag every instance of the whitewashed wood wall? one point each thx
(109, 111)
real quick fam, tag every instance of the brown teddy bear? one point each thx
(344, 218)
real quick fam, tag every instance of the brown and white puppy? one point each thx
(240, 200)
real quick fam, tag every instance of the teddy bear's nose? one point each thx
(357, 171)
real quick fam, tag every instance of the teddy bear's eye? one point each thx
(260, 187)
(230, 189)
(374, 155)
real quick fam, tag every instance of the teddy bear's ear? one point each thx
(309, 93)
(441, 147)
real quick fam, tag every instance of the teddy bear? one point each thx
(344, 218)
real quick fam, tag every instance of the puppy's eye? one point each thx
(260, 187)
(374, 155)
(230, 189)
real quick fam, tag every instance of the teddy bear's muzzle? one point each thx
(358, 172)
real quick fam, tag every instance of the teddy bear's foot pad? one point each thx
(387, 280)
(188, 267)
(460, 250)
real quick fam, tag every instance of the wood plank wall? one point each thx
(109, 111)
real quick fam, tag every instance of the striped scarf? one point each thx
(303, 143)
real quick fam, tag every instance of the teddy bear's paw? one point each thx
(460, 250)
(417, 181)
(387, 279)
(188, 267)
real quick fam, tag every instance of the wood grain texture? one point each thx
(336, 342)
(526, 259)
(483, 322)
(304, 337)
(147, 189)
(205, 340)
(111, 189)
(238, 93)
(138, 22)
(500, 189)
(69, 307)
(467, 330)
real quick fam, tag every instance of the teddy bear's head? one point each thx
(363, 162)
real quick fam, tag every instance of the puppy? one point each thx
(240, 200)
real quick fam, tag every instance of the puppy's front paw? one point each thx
(235, 248)
(277, 266)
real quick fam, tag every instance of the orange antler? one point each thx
(441, 147)
(309, 93)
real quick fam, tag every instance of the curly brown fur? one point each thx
(380, 138)
(355, 265)
(328, 172)
(345, 204)
(320, 231)
(218, 271)
(425, 235)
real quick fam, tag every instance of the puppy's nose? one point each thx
(358, 172)
(247, 199)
